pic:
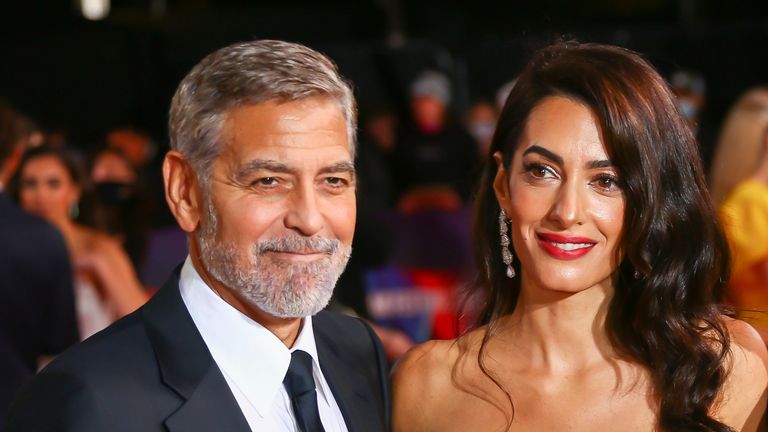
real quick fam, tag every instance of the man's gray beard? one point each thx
(280, 288)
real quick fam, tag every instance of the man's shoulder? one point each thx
(335, 319)
(122, 345)
(349, 335)
(99, 384)
(337, 325)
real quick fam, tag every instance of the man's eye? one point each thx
(266, 181)
(336, 181)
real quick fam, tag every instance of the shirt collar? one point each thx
(305, 341)
(237, 342)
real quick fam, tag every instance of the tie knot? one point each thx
(299, 380)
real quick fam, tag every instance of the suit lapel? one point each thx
(349, 387)
(209, 408)
(186, 366)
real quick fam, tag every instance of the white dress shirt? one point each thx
(253, 360)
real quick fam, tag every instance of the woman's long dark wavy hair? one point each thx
(665, 312)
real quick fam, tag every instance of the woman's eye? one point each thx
(607, 183)
(540, 171)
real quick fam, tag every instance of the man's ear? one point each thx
(501, 182)
(182, 191)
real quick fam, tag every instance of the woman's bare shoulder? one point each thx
(744, 396)
(422, 383)
(434, 359)
(425, 363)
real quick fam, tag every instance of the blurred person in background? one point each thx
(124, 202)
(744, 211)
(49, 184)
(139, 147)
(739, 143)
(481, 122)
(601, 271)
(37, 309)
(136, 145)
(691, 91)
(434, 156)
(378, 137)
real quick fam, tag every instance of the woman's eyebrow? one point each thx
(594, 164)
(544, 152)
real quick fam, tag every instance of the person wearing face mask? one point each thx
(691, 92)
(690, 89)
(49, 184)
(481, 122)
(601, 271)
(124, 202)
(434, 156)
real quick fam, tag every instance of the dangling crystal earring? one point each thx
(506, 253)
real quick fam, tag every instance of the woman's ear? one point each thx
(182, 191)
(501, 181)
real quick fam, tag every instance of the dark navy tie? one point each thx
(300, 386)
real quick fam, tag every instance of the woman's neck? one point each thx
(68, 230)
(762, 173)
(560, 331)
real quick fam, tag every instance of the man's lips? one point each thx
(565, 247)
(298, 255)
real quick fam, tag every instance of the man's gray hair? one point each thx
(249, 73)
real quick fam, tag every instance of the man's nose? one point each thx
(304, 214)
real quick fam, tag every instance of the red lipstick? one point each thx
(565, 247)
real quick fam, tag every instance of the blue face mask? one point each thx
(687, 108)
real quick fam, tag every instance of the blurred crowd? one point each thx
(412, 248)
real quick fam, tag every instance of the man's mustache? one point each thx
(295, 244)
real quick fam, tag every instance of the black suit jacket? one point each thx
(151, 371)
(37, 309)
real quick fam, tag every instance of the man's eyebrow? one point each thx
(250, 167)
(338, 167)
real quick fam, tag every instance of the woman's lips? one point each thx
(565, 247)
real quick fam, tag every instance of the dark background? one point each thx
(85, 77)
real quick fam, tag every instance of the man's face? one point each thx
(279, 212)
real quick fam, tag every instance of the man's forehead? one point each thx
(276, 111)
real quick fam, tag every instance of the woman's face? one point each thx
(564, 199)
(46, 188)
